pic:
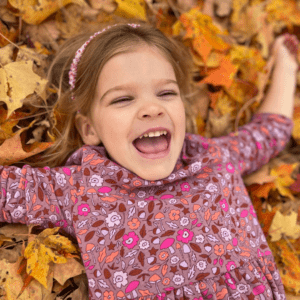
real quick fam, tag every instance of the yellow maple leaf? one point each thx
(35, 11)
(284, 225)
(131, 9)
(17, 82)
(39, 255)
(283, 179)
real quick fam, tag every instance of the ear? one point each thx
(86, 130)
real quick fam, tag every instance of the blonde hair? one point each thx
(116, 40)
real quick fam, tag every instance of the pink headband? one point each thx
(78, 54)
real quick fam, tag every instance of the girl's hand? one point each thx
(286, 49)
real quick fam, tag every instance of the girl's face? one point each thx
(146, 104)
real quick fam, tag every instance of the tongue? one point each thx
(151, 144)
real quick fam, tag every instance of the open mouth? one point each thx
(152, 145)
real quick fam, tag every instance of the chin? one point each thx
(150, 177)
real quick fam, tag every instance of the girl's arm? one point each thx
(281, 93)
(37, 196)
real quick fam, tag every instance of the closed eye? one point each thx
(128, 99)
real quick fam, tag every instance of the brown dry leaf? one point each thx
(11, 151)
(10, 34)
(216, 125)
(107, 5)
(72, 268)
(260, 176)
(6, 54)
(38, 10)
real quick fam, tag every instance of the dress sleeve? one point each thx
(38, 196)
(255, 143)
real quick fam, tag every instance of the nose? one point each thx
(151, 110)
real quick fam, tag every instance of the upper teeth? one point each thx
(154, 133)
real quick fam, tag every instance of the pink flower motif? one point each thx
(258, 145)
(185, 235)
(83, 209)
(252, 212)
(259, 253)
(230, 168)
(151, 198)
(224, 205)
(230, 265)
(200, 298)
(185, 187)
(230, 281)
(161, 296)
(61, 223)
(130, 240)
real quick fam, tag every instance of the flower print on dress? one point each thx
(230, 281)
(226, 235)
(185, 187)
(230, 265)
(120, 279)
(211, 188)
(92, 283)
(195, 167)
(53, 218)
(61, 223)
(108, 295)
(130, 240)
(96, 180)
(185, 235)
(230, 168)
(224, 205)
(199, 238)
(134, 223)
(178, 279)
(142, 204)
(68, 215)
(201, 265)
(174, 214)
(60, 179)
(174, 260)
(242, 288)
(184, 221)
(144, 244)
(83, 209)
(18, 212)
(113, 219)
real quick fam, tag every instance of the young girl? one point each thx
(158, 213)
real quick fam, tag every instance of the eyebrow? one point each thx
(124, 86)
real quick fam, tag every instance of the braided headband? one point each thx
(78, 54)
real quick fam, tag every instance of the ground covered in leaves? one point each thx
(230, 43)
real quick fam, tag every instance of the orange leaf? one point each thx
(207, 215)
(156, 267)
(27, 280)
(83, 231)
(222, 294)
(111, 257)
(261, 190)
(37, 207)
(223, 75)
(164, 270)
(109, 199)
(184, 201)
(215, 216)
(145, 293)
(102, 254)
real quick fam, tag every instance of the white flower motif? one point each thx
(172, 201)
(120, 279)
(226, 235)
(178, 279)
(113, 219)
(227, 176)
(36, 221)
(142, 204)
(232, 211)
(201, 265)
(60, 178)
(53, 218)
(184, 221)
(226, 152)
(18, 212)
(195, 166)
(263, 238)
(28, 198)
(144, 244)
(174, 260)
(252, 244)
(172, 176)
(141, 194)
(257, 136)
(248, 228)
(276, 275)
(199, 238)
(247, 151)
(257, 275)
(242, 288)
(211, 187)
(68, 215)
(92, 283)
(96, 180)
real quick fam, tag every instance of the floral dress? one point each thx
(193, 235)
